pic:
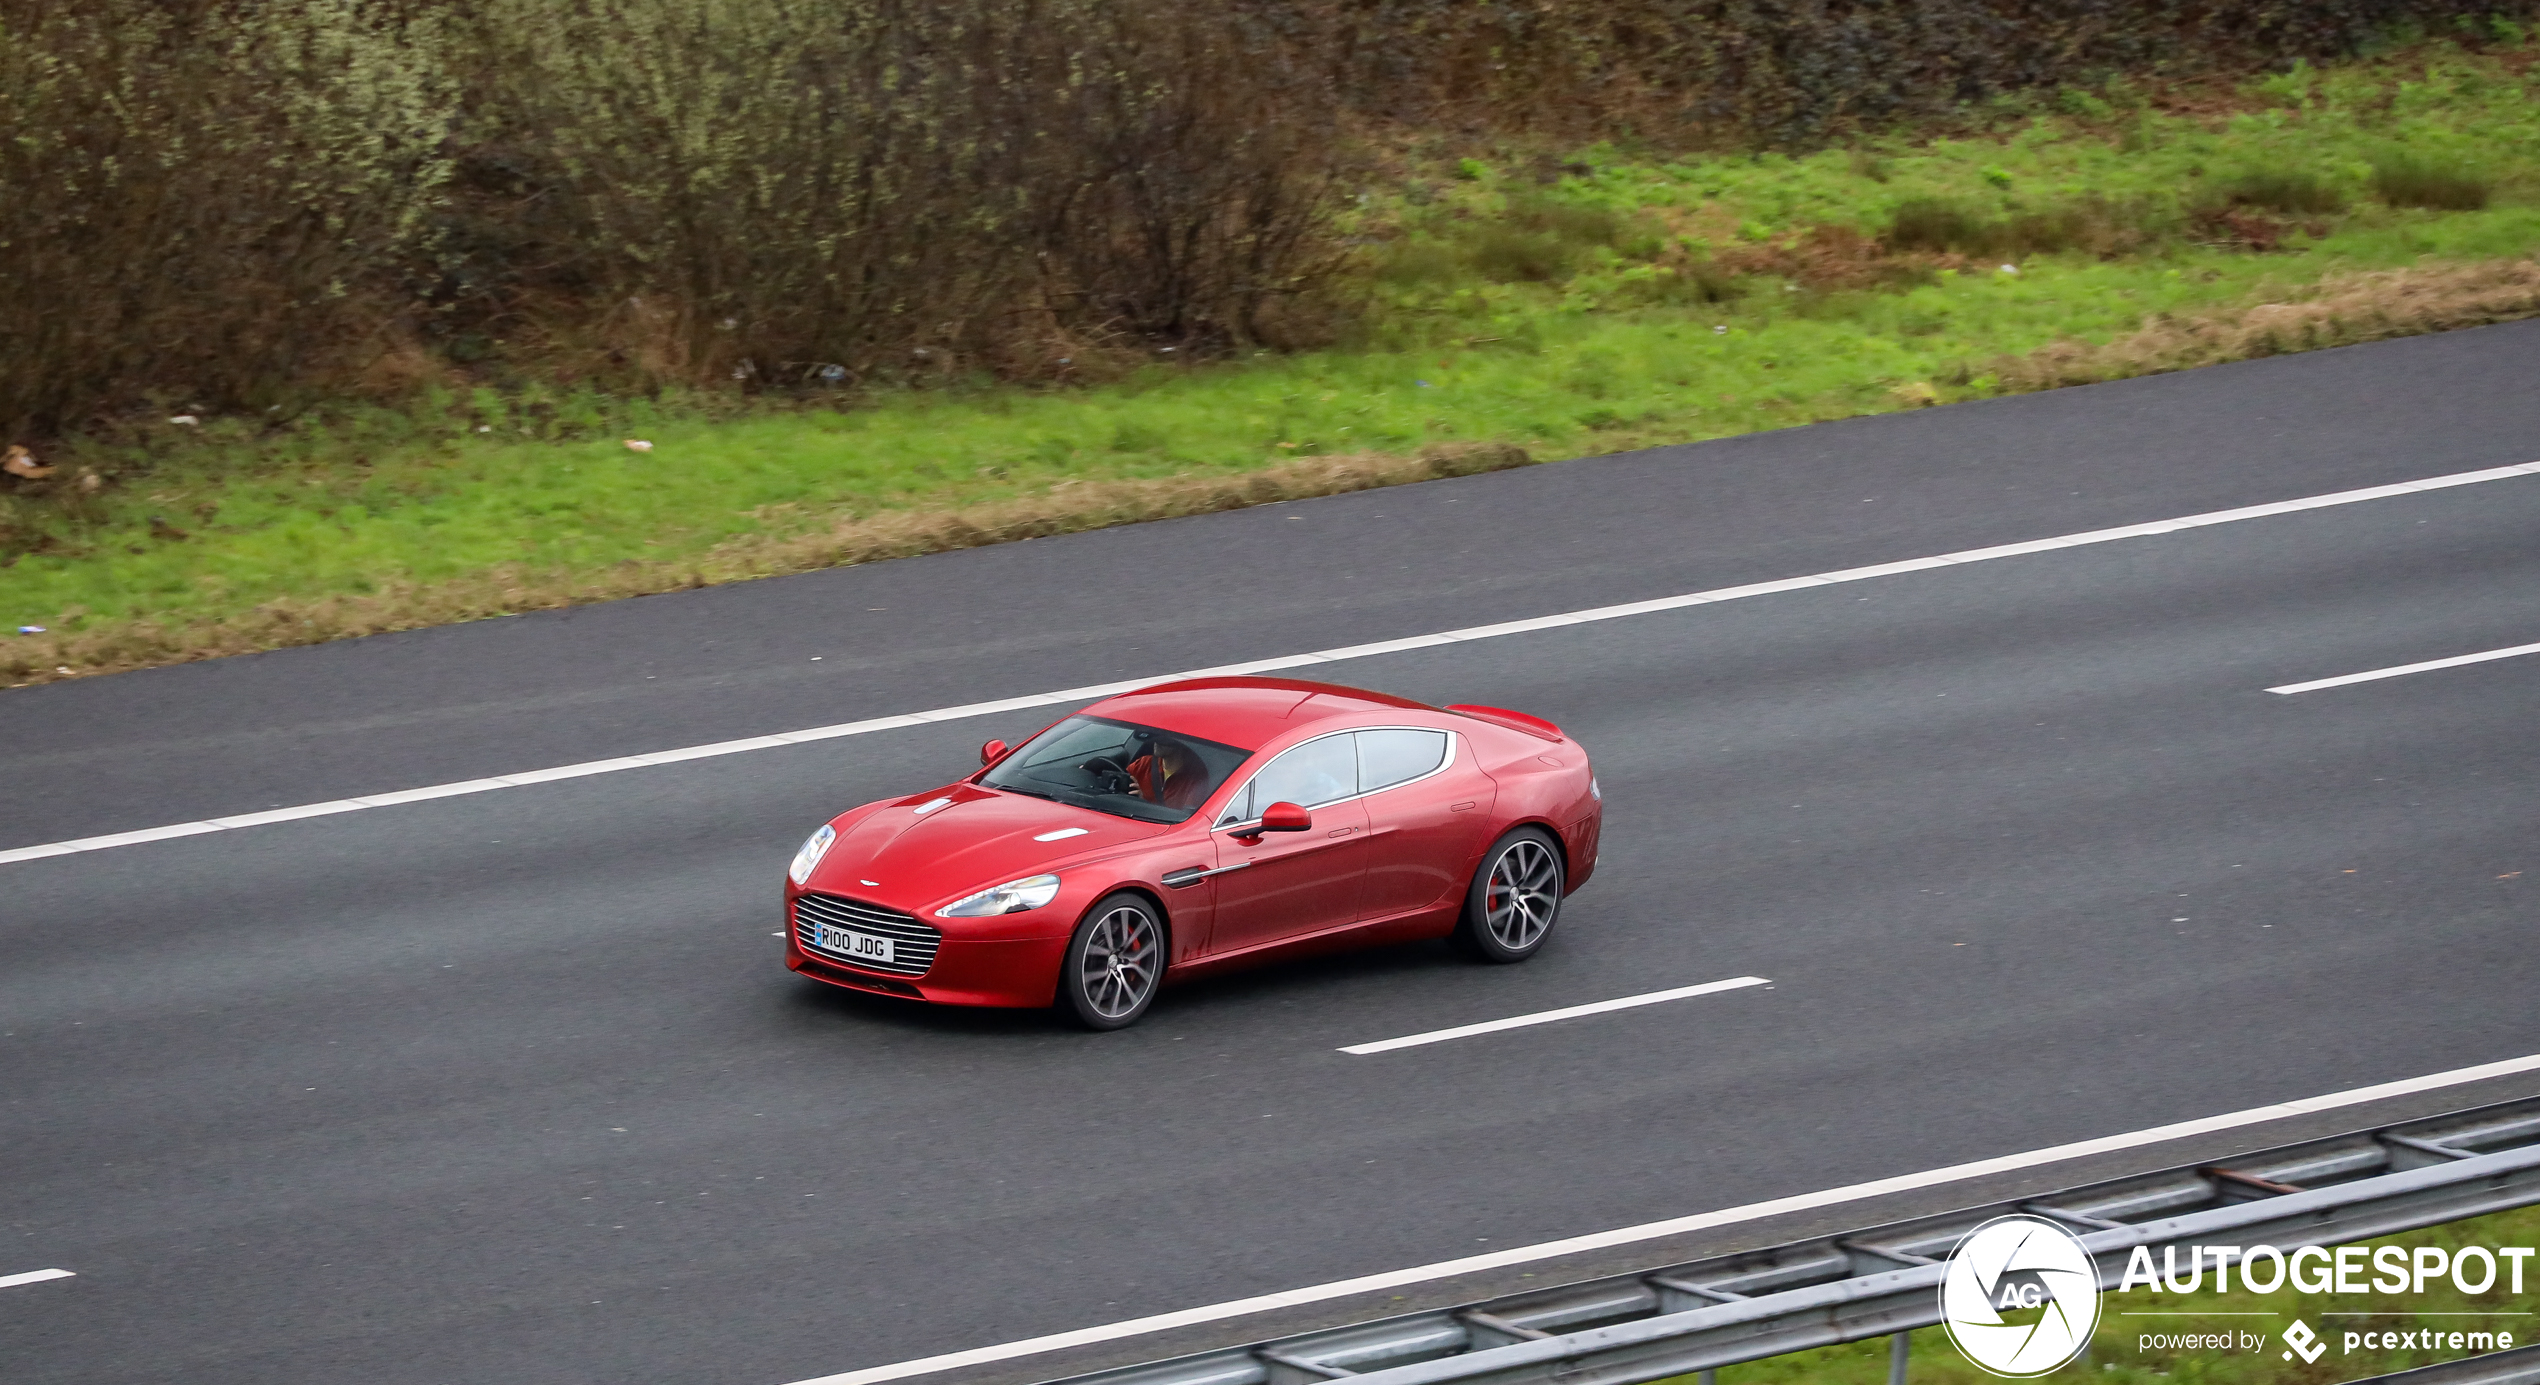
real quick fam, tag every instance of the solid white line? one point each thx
(1436, 1036)
(11, 1281)
(1285, 661)
(2367, 677)
(1521, 1255)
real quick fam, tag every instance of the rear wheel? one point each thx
(1515, 898)
(1114, 964)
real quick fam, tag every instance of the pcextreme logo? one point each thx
(2011, 1263)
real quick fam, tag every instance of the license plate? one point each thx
(864, 947)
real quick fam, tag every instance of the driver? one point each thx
(1170, 773)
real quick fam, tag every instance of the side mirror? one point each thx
(1285, 817)
(989, 753)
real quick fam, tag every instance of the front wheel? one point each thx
(1515, 898)
(1114, 964)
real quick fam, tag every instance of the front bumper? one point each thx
(1021, 973)
(962, 970)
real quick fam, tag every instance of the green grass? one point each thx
(2114, 1357)
(1630, 299)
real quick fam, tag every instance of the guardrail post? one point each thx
(1897, 1348)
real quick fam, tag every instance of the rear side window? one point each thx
(1394, 756)
(1338, 767)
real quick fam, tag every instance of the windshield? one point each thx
(1119, 768)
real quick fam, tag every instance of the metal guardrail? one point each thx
(1885, 1280)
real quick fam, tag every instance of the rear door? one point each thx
(1427, 805)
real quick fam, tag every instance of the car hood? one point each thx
(896, 855)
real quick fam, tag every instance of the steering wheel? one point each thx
(1114, 777)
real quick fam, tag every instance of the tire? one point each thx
(1115, 963)
(1514, 899)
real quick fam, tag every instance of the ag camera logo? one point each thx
(2008, 1264)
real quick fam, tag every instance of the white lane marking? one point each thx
(1753, 1211)
(1437, 1036)
(1320, 656)
(11, 1281)
(2371, 674)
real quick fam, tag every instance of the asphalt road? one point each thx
(514, 1088)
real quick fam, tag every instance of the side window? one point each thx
(1314, 773)
(1390, 757)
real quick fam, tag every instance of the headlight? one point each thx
(1012, 897)
(814, 847)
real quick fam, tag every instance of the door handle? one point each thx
(1340, 832)
(1468, 803)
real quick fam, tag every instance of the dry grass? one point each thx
(2341, 311)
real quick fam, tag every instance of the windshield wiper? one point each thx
(1028, 793)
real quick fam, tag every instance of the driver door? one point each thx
(1282, 885)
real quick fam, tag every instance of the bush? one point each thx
(2407, 182)
(1929, 223)
(2280, 191)
(1514, 255)
(235, 202)
(1802, 72)
(798, 183)
(206, 200)
(2098, 225)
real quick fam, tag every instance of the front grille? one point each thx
(913, 944)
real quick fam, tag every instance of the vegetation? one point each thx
(2114, 1357)
(253, 204)
(1481, 293)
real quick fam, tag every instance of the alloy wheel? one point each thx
(1524, 889)
(1122, 956)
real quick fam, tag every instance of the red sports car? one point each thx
(1197, 825)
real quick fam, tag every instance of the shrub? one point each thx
(2098, 225)
(235, 202)
(1512, 254)
(205, 199)
(1930, 223)
(2403, 181)
(1800, 72)
(2278, 190)
(801, 181)
(1419, 260)
(1541, 239)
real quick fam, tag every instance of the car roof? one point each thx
(1246, 713)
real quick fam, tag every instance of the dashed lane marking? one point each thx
(1461, 1031)
(2370, 674)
